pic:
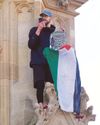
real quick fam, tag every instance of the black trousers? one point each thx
(41, 74)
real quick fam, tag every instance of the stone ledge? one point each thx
(67, 7)
(58, 9)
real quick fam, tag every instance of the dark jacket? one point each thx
(38, 43)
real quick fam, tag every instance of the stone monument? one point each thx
(54, 116)
(17, 96)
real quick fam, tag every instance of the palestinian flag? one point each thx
(65, 72)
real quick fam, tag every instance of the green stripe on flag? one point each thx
(52, 59)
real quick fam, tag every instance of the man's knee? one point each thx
(40, 85)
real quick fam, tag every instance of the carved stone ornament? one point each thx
(45, 116)
(66, 3)
(65, 6)
(22, 4)
(63, 3)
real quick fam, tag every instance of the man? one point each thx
(38, 40)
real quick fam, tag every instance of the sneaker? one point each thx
(45, 106)
(79, 116)
(38, 105)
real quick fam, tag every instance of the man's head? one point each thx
(46, 15)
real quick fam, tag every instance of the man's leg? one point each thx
(40, 89)
(48, 76)
(38, 75)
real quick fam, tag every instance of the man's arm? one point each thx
(34, 35)
(33, 39)
(51, 25)
(52, 28)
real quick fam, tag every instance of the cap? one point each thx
(46, 12)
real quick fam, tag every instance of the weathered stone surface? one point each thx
(17, 96)
(64, 6)
(53, 115)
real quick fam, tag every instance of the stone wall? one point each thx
(16, 87)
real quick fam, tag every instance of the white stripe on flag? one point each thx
(66, 79)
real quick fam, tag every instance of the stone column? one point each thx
(22, 92)
(4, 64)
